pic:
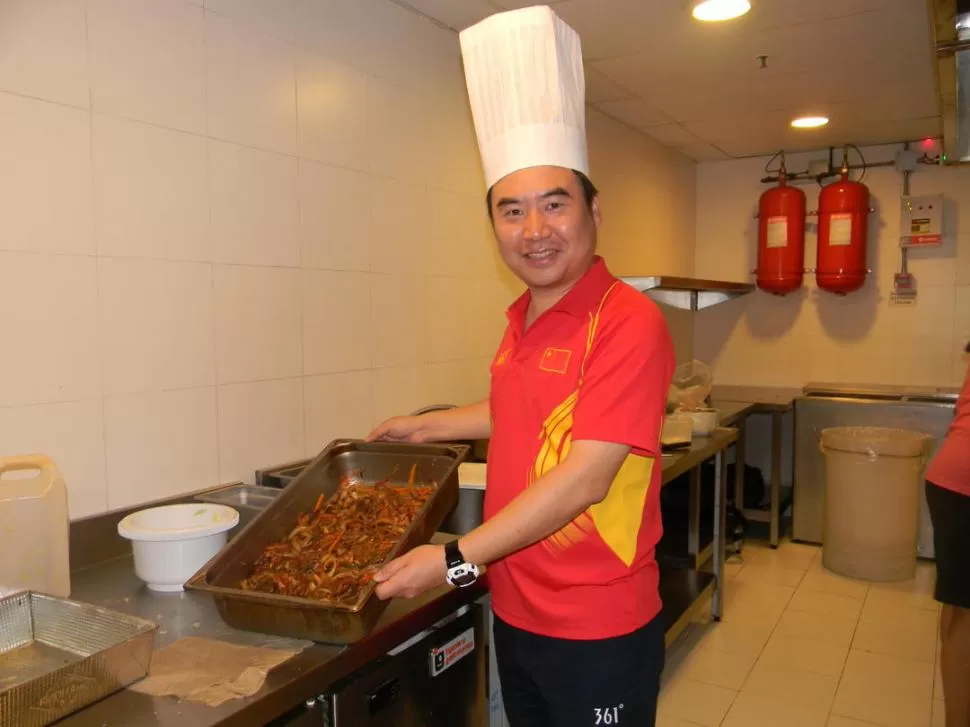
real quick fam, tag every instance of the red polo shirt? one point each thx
(596, 366)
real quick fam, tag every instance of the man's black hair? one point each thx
(967, 347)
(589, 193)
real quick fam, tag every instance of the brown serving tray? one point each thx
(306, 618)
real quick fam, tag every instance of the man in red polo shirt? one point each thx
(578, 394)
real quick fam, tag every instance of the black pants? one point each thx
(550, 682)
(950, 513)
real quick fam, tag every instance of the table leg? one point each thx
(694, 515)
(720, 512)
(739, 468)
(777, 429)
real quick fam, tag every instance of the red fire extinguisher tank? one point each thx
(781, 239)
(843, 233)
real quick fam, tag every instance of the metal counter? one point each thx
(317, 667)
(309, 673)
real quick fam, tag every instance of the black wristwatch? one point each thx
(460, 573)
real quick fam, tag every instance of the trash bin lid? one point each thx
(875, 441)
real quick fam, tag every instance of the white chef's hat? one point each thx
(524, 73)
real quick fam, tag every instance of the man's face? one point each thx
(546, 232)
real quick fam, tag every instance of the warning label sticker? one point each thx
(840, 230)
(448, 654)
(777, 232)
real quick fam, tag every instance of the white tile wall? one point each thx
(43, 50)
(332, 106)
(48, 315)
(258, 329)
(45, 188)
(159, 444)
(259, 423)
(254, 212)
(147, 61)
(335, 217)
(152, 200)
(250, 86)
(233, 230)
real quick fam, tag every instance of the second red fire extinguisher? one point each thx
(843, 232)
(781, 237)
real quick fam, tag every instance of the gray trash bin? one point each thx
(872, 501)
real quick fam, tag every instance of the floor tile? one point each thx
(697, 702)
(808, 654)
(824, 581)
(770, 574)
(888, 601)
(713, 666)
(912, 635)
(939, 714)
(791, 685)
(836, 720)
(731, 570)
(937, 678)
(753, 710)
(664, 720)
(835, 630)
(788, 555)
(885, 690)
(739, 637)
(826, 604)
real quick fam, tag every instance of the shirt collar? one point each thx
(578, 302)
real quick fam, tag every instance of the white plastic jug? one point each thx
(33, 527)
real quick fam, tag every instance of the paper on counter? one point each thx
(209, 672)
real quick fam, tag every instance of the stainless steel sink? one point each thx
(467, 514)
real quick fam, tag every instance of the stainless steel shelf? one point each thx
(688, 293)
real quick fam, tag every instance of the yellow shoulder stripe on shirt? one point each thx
(619, 516)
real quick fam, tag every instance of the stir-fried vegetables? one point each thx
(339, 545)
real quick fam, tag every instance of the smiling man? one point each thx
(576, 406)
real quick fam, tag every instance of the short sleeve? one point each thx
(623, 394)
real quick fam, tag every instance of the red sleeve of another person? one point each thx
(623, 395)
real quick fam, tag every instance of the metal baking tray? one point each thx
(306, 618)
(58, 656)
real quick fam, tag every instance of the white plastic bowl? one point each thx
(170, 543)
(705, 421)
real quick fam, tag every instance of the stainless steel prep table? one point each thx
(734, 413)
(684, 590)
(309, 673)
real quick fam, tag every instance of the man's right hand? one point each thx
(399, 429)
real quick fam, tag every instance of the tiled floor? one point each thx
(802, 647)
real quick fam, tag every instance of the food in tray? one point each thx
(339, 545)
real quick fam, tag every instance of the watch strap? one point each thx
(453, 556)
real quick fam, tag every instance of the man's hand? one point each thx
(465, 422)
(399, 429)
(412, 574)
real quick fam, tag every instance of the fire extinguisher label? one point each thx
(777, 232)
(840, 230)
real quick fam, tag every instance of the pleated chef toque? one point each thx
(524, 73)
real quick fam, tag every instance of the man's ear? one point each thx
(595, 210)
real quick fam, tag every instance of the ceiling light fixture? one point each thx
(716, 10)
(809, 122)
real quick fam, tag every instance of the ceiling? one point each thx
(866, 64)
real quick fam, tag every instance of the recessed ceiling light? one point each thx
(809, 122)
(714, 10)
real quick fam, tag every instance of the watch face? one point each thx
(463, 575)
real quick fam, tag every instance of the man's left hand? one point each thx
(413, 573)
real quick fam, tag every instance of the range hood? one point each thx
(688, 293)
(951, 29)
